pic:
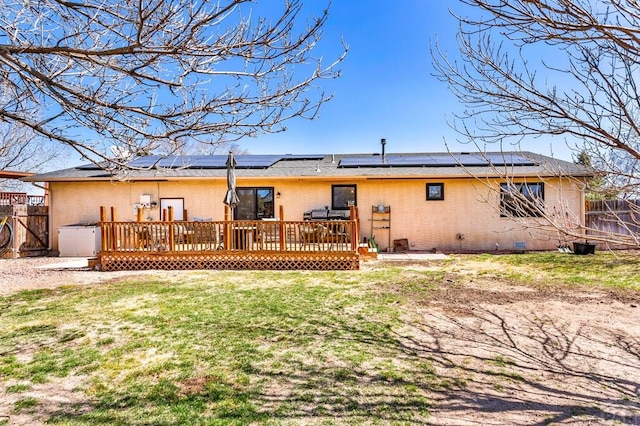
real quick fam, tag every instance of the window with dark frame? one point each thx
(255, 203)
(521, 199)
(343, 197)
(435, 191)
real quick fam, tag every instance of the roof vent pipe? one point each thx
(383, 142)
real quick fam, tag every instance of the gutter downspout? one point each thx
(45, 187)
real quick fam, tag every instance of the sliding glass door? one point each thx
(255, 203)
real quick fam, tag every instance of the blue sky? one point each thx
(387, 89)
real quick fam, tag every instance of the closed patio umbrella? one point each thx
(231, 198)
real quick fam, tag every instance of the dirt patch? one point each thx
(58, 396)
(530, 356)
(50, 272)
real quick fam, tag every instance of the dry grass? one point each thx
(502, 339)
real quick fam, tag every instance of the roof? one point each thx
(8, 174)
(354, 166)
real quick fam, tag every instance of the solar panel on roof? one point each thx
(256, 161)
(360, 161)
(206, 161)
(401, 161)
(143, 162)
(392, 160)
(509, 159)
(174, 162)
(410, 161)
(89, 167)
(469, 160)
(436, 160)
(302, 157)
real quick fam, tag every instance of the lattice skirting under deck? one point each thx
(241, 260)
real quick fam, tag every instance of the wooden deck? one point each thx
(263, 244)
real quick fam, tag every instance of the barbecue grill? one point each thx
(325, 214)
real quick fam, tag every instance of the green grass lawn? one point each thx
(209, 347)
(614, 270)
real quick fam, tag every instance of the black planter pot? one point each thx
(582, 248)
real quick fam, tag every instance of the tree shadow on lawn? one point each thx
(489, 365)
(298, 388)
(521, 369)
(471, 365)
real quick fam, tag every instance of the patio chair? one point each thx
(268, 233)
(339, 235)
(217, 242)
(142, 237)
(183, 234)
(150, 236)
(207, 235)
(313, 234)
(333, 234)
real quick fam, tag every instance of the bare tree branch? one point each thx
(553, 68)
(158, 75)
(21, 150)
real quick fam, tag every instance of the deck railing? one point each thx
(21, 198)
(13, 198)
(237, 235)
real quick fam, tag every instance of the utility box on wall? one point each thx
(79, 240)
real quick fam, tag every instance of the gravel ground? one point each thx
(32, 273)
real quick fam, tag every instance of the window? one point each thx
(343, 197)
(521, 199)
(255, 203)
(435, 191)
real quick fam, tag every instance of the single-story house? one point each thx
(414, 201)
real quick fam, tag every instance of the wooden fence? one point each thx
(26, 230)
(617, 218)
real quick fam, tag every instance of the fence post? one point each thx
(103, 228)
(172, 233)
(114, 236)
(19, 232)
(281, 230)
(227, 228)
(353, 216)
